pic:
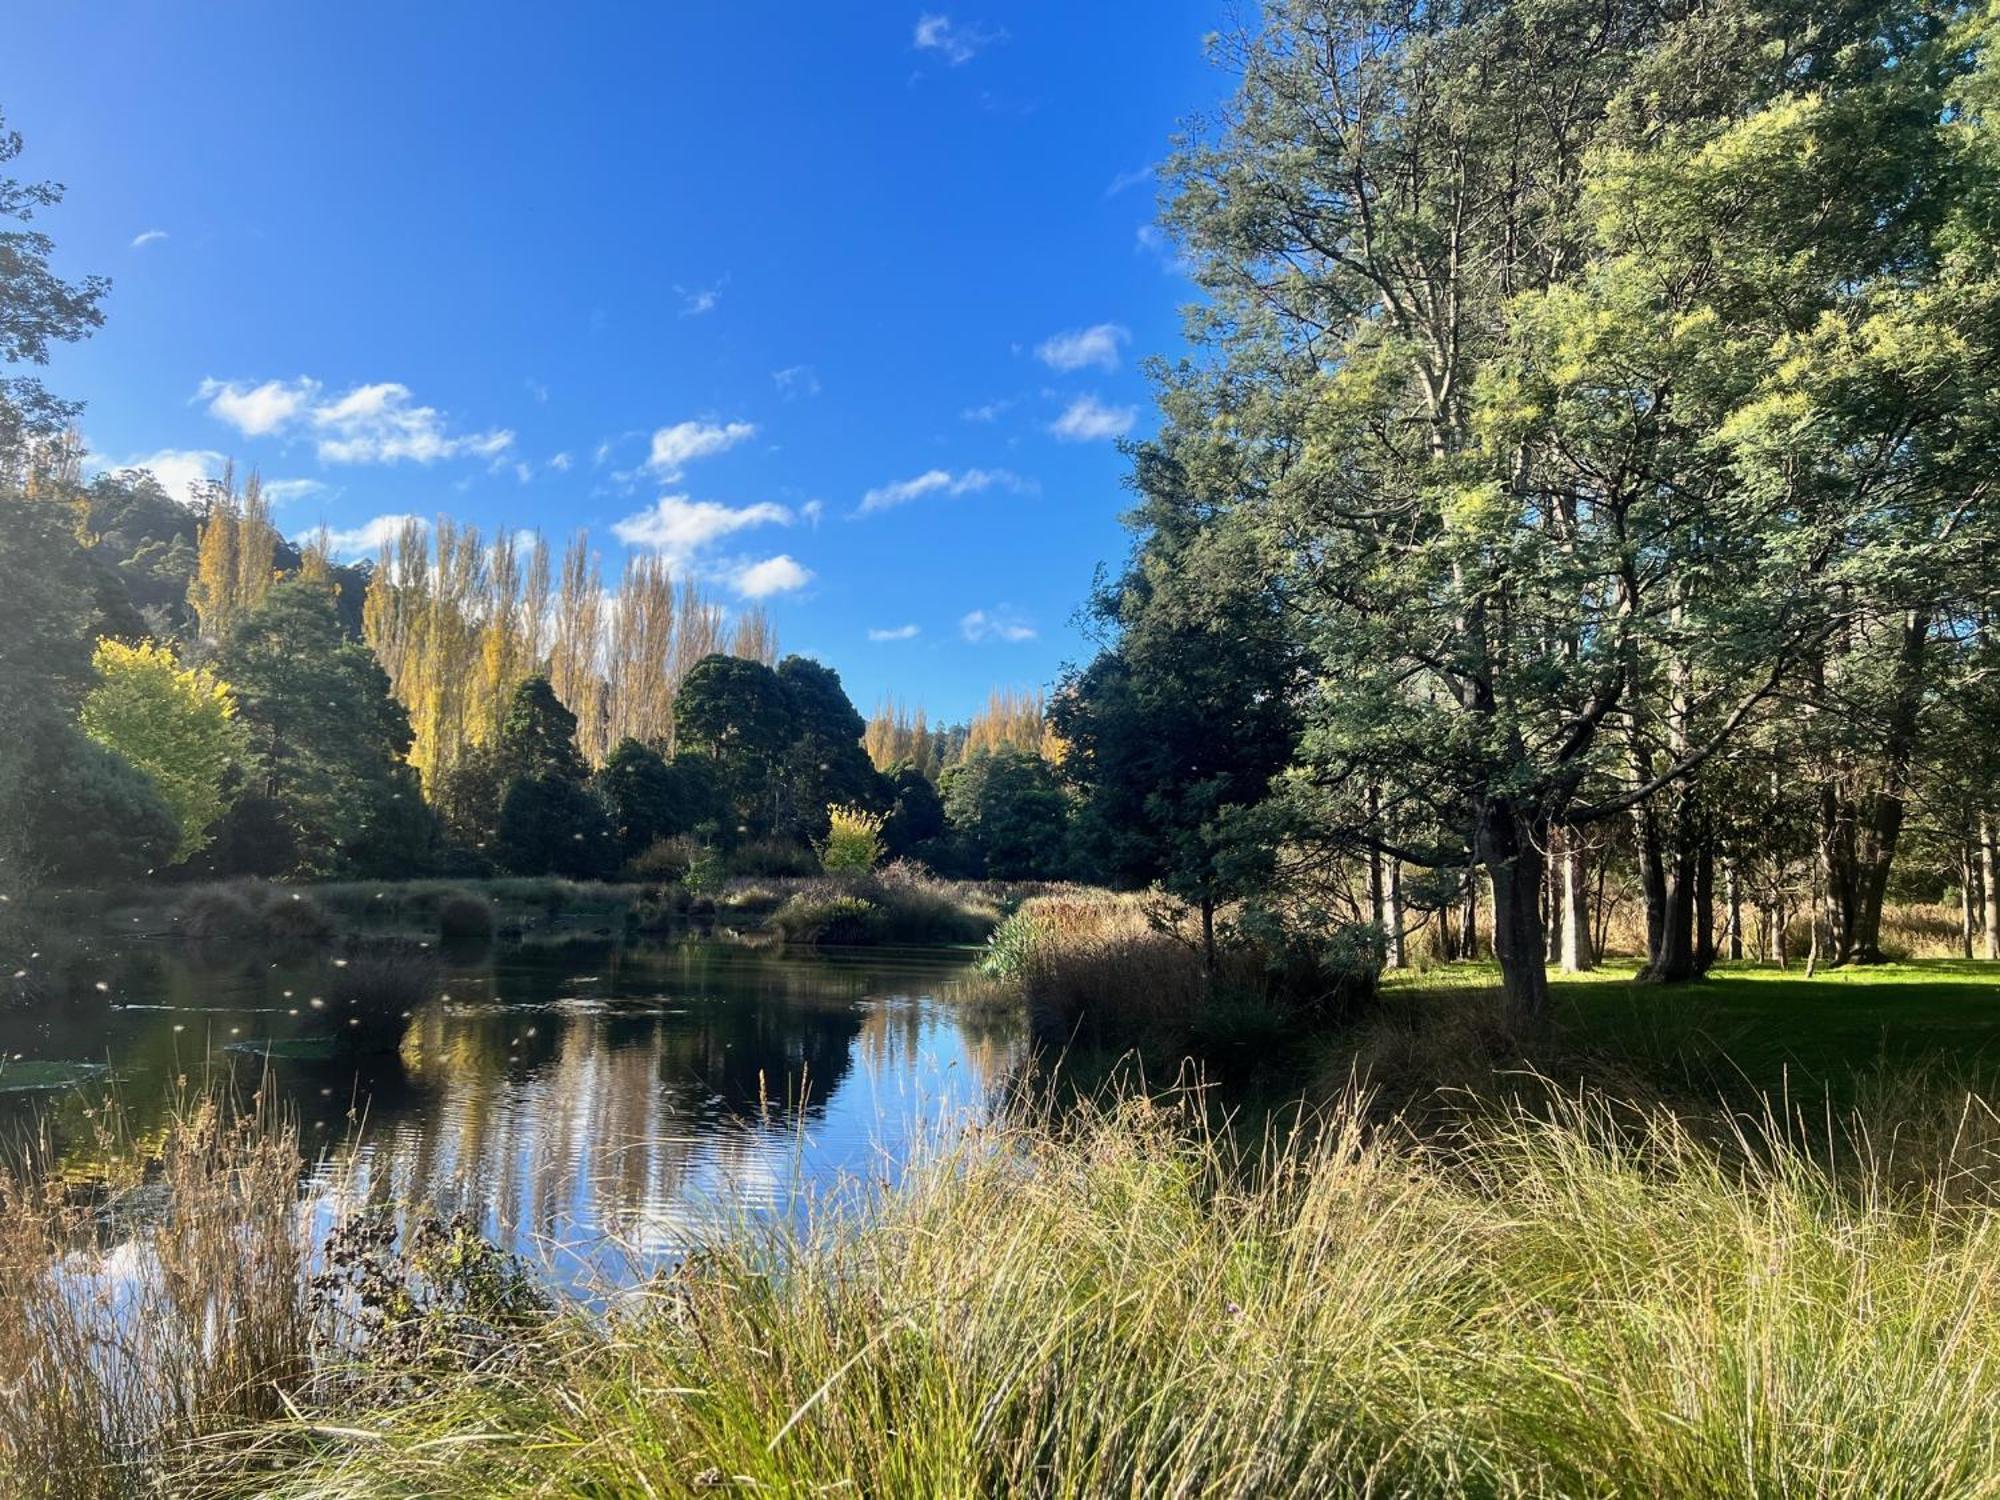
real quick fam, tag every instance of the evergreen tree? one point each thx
(327, 741)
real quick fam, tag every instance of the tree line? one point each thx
(1582, 457)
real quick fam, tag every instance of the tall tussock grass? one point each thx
(138, 1316)
(1575, 1298)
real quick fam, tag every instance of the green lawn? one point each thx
(1757, 1024)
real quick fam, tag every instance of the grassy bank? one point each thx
(1575, 1299)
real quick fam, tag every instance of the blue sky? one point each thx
(842, 306)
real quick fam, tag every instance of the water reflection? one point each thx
(596, 1105)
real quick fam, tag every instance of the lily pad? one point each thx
(23, 1074)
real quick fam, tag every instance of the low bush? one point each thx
(772, 859)
(466, 922)
(664, 860)
(1121, 972)
(293, 919)
(853, 844)
(386, 979)
(905, 906)
(216, 914)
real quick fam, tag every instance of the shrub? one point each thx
(466, 921)
(829, 919)
(664, 859)
(385, 980)
(217, 914)
(294, 919)
(773, 859)
(853, 844)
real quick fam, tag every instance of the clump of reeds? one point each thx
(466, 922)
(135, 1320)
(1579, 1298)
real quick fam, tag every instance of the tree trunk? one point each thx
(1512, 853)
(1874, 824)
(1577, 952)
(1393, 914)
(1652, 882)
(1732, 895)
(1704, 904)
(1468, 915)
(1965, 899)
(1989, 875)
(1208, 937)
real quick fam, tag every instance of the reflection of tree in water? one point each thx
(580, 1092)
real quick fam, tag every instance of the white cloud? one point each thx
(258, 410)
(147, 237)
(1088, 420)
(796, 380)
(676, 446)
(939, 482)
(695, 301)
(370, 424)
(812, 510)
(1001, 624)
(1096, 345)
(774, 575)
(377, 424)
(561, 463)
(679, 527)
(958, 42)
(895, 633)
(180, 470)
(291, 491)
(1130, 179)
(370, 537)
(990, 411)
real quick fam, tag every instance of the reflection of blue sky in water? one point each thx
(599, 1111)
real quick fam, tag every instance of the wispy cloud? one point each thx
(370, 424)
(795, 381)
(698, 300)
(148, 237)
(987, 411)
(774, 575)
(292, 491)
(894, 633)
(958, 42)
(679, 445)
(1082, 347)
(1153, 241)
(939, 482)
(1003, 623)
(370, 537)
(679, 527)
(1130, 179)
(1088, 420)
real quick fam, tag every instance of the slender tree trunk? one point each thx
(1578, 954)
(1652, 882)
(1989, 876)
(1511, 850)
(1208, 937)
(1965, 899)
(1468, 915)
(1393, 914)
(1377, 909)
(1704, 904)
(1732, 895)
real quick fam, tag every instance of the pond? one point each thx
(595, 1106)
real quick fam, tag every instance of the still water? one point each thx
(596, 1107)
